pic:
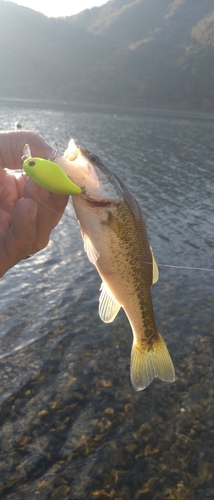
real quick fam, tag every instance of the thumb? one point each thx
(18, 241)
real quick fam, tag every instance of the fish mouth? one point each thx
(85, 174)
(99, 187)
(97, 203)
(73, 151)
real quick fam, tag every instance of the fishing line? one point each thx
(191, 268)
(187, 268)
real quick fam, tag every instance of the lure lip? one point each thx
(55, 153)
(27, 154)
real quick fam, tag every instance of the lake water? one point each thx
(71, 425)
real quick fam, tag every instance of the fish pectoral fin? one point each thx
(155, 268)
(108, 306)
(92, 252)
(147, 364)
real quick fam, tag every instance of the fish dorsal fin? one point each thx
(92, 252)
(108, 306)
(155, 268)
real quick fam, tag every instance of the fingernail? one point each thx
(33, 211)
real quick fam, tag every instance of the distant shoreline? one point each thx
(87, 107)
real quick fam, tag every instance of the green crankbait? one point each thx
(48, 175)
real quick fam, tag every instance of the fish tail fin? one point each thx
(148, 363)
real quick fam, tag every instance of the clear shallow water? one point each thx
(71, 424)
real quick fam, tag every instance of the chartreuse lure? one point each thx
(48, 175)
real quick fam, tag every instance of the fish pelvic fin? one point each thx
(108, 306)
(149, 363)
(91, 251)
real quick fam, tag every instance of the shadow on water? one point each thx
(71, 425)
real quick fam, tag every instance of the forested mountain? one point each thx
(147, 53)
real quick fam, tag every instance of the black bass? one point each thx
(116, 242)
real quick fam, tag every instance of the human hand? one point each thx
(28, 213)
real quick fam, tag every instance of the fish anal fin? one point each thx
(154, 268)
(91, 251)
(147, 364)
(108, 306)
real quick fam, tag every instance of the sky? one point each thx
(60, 7)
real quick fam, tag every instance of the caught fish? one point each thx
(116, 242)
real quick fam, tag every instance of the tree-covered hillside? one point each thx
(157, 53)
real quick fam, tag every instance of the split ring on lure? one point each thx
(47, 174)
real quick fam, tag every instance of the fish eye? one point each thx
(93, 158)
(31, 163)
